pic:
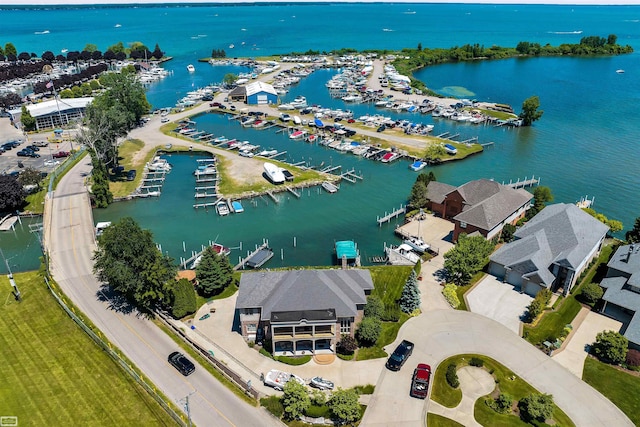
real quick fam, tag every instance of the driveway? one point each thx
(584, 334)
(498, 301)
(443, 333)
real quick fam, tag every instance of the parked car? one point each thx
(131, 175)
(321, 383)
(400, 355)
(420, 381)
(28, 153)
(40, 143)
(215, 104)
(7, 146)
(60, 154)
(181, 363)
(32, 147)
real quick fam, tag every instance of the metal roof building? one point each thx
(55, 113)
(261, 93)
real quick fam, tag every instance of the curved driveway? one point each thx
(68, 225)
(443, 333)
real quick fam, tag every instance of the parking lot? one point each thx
(10, 161)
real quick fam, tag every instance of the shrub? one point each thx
(293, 361)
(364, 389)
(452, 376)
(391, 314)
(374, 307)
(318, 398)
(536, 406)
(591, 293)
(368, 331)
(476, 361)
(345, 356)
(502, 404)
(534, 310)
(611, 346)
(273, 405)
(317, 411)
(183, 299)
(347, 345)
(633, 358)
(450, 295)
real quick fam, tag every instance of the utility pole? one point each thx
(186, 406)
(16, 291)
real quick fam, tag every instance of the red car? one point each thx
(60, 154)
(420, 381)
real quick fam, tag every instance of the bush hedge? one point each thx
(183, 301)
(452, 376)
(450, 295)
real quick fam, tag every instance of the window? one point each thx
(251, 328)
(463, 224)
(345, 326)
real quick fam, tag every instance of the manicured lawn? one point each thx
(620, 387)
(507, 382)
(551, 324)
(435, 420)
(54, 374)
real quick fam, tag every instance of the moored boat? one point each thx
(418, 165)
(299, 134)
(222, 208)
(237, 206)
(417, 244)
(274, 173)
(329, 187)
(191, 68)
(401, 255)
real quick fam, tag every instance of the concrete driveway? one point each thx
(498, 301)
(584, 334)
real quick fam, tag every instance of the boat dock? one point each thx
(525, 183)
(257, 258)
(389, 216)
(292, 191)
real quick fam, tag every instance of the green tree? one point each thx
(125, 94)
(418, 198)
(614, 225)
(100, 193)
(229, 78)
(530, 111)
(541, 196)
(11, 193)
(129, 262)
(467, 258)
(452, 375)
(10, 49)
(90, 47)
(30, 176)
(410, 298)
(28, 121)
(434, 152)
(94, 84)
(344, 406)
(214, 273)
(347, 344)
(633, 235)
(117, 48)
(502, 404)
(66, 94)
(374, 307)
(536, 407)
(295, 400)
(507, 232)
(611, 346)
(77, 92)
(183, 299)
(591, 292)
(368, 331)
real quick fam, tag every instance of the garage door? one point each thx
(514, 278)
(497, 270)
(263, 99)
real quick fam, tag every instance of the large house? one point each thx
(482, 206)
(302, 311)
(550, 251)
(622, 291)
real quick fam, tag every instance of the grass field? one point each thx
(435, 420)
(620, 387)
(54, 374)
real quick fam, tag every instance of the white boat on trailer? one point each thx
(274, 173)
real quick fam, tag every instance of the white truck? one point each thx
(277, 379)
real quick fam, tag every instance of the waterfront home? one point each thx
(550, 251)
(301, 311)
(483, 206)
(622, 291)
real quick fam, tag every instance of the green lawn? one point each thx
(54, 374)
(506, 381)
(620, 387)
(435, 420)
(551, 324)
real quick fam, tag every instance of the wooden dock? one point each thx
(292, 191)
(524, 183)
(389, 216)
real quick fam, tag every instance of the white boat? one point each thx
(191, 68)
(159, 165)
(417, 244)
(222, 208)
(418, 165)
(450, 149)
(267, 153)
(621, 71)
(277, 379)
(297, 121)
(401, 255)
(274, 173)
(329, 187)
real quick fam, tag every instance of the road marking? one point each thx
(88, 287)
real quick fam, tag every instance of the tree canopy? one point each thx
(11, 194)
(214, 273)
(613, 224)
(410, 298)
(536, 406)
(419, 198)
(127, 260)
(295, 400)
(344, 406)
(633, 235)
(611, 346)
(467, 257)
(530, 111)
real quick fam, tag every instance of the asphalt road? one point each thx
(70, 242)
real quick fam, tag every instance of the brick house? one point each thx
(302, 311)
(481, 206)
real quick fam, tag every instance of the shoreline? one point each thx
(251, 2)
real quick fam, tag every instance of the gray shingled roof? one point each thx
(571, 232)
(530, 256)
(278, 291)
(437, 191)
(495, 209)
(616, 294)
(626, 259)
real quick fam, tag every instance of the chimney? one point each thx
(631, 247)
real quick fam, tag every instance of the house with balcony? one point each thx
(301, 311)
(622, 291)
(482, 206)
(550, 251)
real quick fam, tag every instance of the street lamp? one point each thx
(16, 291)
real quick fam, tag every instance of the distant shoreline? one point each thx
(48, 3)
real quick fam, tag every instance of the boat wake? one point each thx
(565, 32)
(42, 32)
(387, 30)
(410, 12)
(117, 26)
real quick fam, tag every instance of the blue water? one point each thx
(584, 144)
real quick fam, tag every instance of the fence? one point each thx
(224, 369)
(63, 167)
(116, 357)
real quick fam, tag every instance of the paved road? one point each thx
(443, 333)
(69, 240)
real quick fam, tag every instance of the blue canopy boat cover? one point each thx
(347, 249)
(318, 123)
